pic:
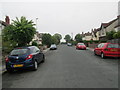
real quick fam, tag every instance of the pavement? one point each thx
(3, 67)
(67, 67)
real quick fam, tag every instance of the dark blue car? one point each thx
(24, 57)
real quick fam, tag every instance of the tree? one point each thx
(54, 40)
(67, 38)
(110, 34)
(58, 37)
(21, 31)
(78, 38)
(46, 39)
(116, 35)
(34, 43)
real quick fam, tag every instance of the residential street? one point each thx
(67, 67)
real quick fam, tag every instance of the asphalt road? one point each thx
(67, 68)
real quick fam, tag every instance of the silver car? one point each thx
(53, 47)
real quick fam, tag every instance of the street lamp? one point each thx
(36, 23)
(72, 35)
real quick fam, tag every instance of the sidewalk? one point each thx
(92, 49)
(2, 63)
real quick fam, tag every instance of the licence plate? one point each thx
(113, 50)
(18, 65)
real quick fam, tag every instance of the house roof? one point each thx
(88, 34)
(109, 23)
(117, 26)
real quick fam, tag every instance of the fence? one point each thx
(93, 45)
(114, 41)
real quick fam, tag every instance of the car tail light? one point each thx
(106, 49)
(29, 57)
(7, 59)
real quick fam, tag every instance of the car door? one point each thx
(100, 48)
(97, 50)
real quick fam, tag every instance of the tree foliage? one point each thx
(54, 40)
(34, 43)
(67, 38)
(58, 37)
(20, 31)
(116, 35)
(78, 38)
(46, 39)
(110, 34)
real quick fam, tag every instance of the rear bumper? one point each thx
(112, 54)
(10, 65)
(83, 48)
(53, 48)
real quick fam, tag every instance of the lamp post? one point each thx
(72, 35)
(36, 23)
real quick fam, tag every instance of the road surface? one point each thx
(67, 67)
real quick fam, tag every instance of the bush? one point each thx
(110, 34)
(103, 41)
(34, 43)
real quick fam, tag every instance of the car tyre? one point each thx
(102, 56)
(35, 66)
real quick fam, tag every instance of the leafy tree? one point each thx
(78, 38)
(54, 40)
(21, 31)
(67, 38)
(58, 37)
(110, 34)
(34, 43)
(116, 35)
(46, 39)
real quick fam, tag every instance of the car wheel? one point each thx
(35, 65)
(43, 59)
(102, 56)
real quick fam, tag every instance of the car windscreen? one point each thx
(81, 44)
(19, 52)
(113, 46)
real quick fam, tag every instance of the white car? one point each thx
(69, 44)
(53, 47)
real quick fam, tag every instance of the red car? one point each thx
(107, 50)
(81, 46)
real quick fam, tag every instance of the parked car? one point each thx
(69, 44)
(107, 50)
(81, 46)
(53, 47)
(24, 57)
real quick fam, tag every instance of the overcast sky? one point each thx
(62, 17)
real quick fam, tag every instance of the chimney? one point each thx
(7, 20)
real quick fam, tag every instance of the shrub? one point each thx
(34, 43)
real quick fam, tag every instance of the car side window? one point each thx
(102, 45)
(32, 50)
(99, 45)
(37, 49)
